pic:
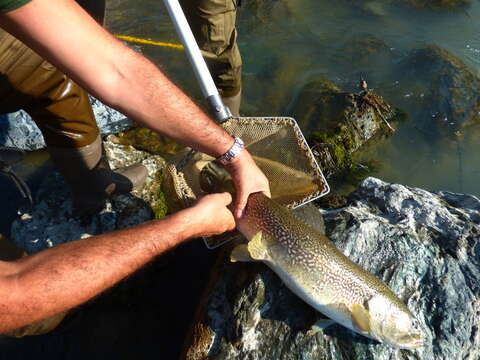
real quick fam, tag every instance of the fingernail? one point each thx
(239, 214)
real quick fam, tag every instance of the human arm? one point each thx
(67, 275)
(68, 37)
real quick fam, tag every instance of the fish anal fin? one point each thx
(241, 253)
(319, 326)
(257, 247)
(361, 317)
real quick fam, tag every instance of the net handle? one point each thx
(217, 108)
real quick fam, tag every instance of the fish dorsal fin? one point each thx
(256, 247)
(361, 317)
(240, 253)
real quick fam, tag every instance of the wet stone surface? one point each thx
(20, 131)
(52, 221)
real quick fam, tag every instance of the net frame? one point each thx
(264, 138)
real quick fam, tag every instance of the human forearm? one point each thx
(147, 96)
(66, 36)
(62, 277)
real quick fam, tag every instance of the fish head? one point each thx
(391, 322)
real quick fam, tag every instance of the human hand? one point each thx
(248, 179)
(211, 215)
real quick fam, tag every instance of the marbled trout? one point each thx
(314, 269)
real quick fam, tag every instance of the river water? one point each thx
(286, 44)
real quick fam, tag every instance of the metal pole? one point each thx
(209, 90)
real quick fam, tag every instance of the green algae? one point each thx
(160, 207)
(156, 197)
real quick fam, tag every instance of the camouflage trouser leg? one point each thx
(59, 107)
(213, 23)
(9, 252)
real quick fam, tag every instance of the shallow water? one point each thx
(286, 44)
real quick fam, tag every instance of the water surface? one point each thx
(286, 44)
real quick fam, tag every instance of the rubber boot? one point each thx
(87, 172)
(233, 103)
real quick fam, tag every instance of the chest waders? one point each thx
(62, 111)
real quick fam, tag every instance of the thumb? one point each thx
(226, 198)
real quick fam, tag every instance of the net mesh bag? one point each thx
(279, 149)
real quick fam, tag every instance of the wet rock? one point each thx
(339, 122)
(425, 246)
(147, 140)
(20, 131)
(448, 88)
(51, 221)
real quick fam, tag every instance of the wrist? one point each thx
(243, 157)
(232, 153)
(186, 224)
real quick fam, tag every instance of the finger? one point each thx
(240, 203)
(267, 193)
(232, 225)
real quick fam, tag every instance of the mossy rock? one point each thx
(148, 140)
(339, 123)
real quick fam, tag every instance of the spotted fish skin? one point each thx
(314, 269)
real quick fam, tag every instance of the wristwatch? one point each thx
(232, 153)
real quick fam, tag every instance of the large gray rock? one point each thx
(425, 246)
(19, 130)
(51, 221)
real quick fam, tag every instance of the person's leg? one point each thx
(62, 111)
(213, 24)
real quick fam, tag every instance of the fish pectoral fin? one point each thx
(240, 253)
(257, 248)
(319, 326)
(361, 317)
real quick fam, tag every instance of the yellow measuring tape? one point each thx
(149, 42)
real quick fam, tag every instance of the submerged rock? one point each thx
(443, 4)
(20, 131)
(368, 52)
(450, 90)
(425, 246)
(51, 220)
(375, 7)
